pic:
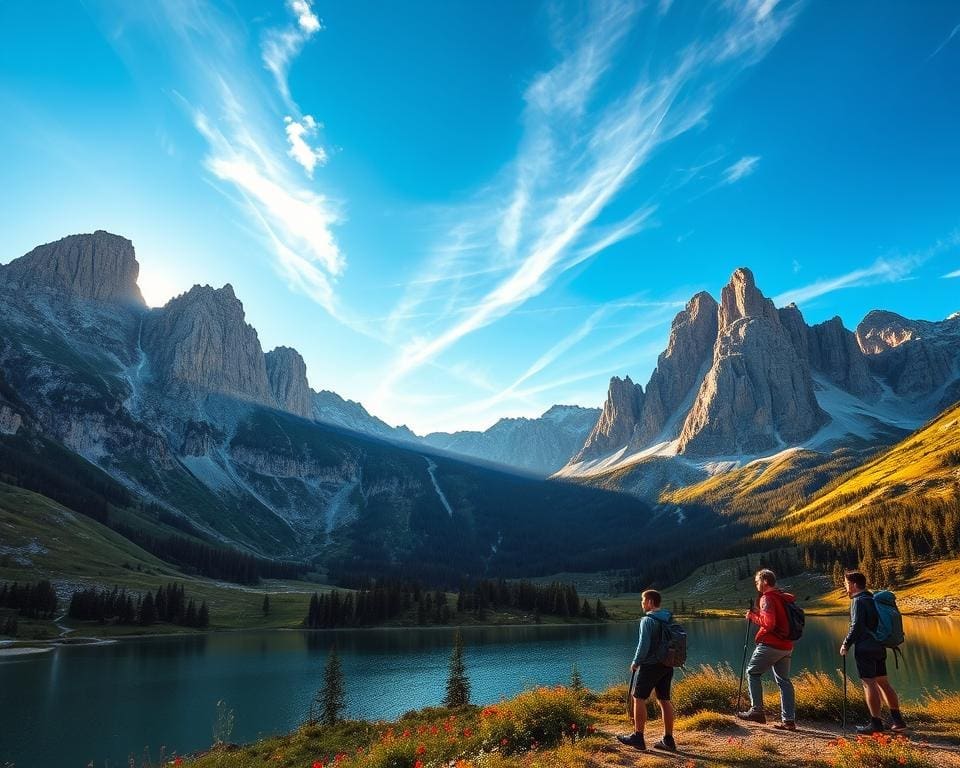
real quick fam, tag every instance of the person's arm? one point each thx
(858, 623)
(766, 617)
(643, 643)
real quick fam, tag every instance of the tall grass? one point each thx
(709, 687)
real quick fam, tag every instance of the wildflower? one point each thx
(318, 764)
(434, 730)
(503, 742)
(406, 733)
(467, 733)
(418, 764)
(421, 749)
(179, 761)
(902, 760)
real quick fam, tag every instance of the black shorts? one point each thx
(653, 677)
(871, 662)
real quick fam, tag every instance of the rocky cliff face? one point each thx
(758, 393)
(200, 342)
(916, 358)
(618, 420)
(100, 267)
(833, 351)
(692, 336)
(288, 380)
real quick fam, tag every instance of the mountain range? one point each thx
(742, 381)
(173, 421)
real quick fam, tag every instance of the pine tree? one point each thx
(576, 680)
(458, 684)
(332, 696)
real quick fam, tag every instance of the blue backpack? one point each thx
(889, 631)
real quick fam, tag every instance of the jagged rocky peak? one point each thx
(617, 422)
(202, 341)
(98, 266)
(758, 393)
(796, 327)
(881, 331)
(287, 373)
(741, 299)
(692, 336)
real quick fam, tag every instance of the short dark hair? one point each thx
(766, 576)
(653, 595)
(856, 578)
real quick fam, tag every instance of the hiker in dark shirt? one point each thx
(651, 675)
(870, 655)
(773, 652)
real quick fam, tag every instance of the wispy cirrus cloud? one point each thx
(281, 46)
(298, 133)
(881, 271)
(573, 161)
(892, 269)
(953, 34)
(955, 273)
(231, 104)
(740, 169)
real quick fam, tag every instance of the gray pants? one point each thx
(764, 658)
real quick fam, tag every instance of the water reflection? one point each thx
(109, 701)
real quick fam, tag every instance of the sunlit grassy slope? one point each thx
(926, 465)
(40, 539)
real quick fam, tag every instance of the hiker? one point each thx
(870, 655)
(651, 675)
(774, 651)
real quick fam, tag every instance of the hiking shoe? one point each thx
(753, 715)
(634, 740)
(667, 744)
(874, 726)
(898, 726)
(786, 725)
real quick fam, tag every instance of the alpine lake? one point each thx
(102, 703)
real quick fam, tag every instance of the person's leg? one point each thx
(761, 660)
(871, 694)
(666, 709)
(893, 703)
(639, 715)
(781, 673)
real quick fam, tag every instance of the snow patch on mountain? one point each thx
(432, 469)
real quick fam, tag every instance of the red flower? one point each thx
(317, 764)
(503, 742)
(573, 726)
(418, 764)
(179, 761)
(421, 749)
(467, 732)
(406, 733)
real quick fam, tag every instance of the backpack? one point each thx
(889, 631)
(671, 650)
(796, 618)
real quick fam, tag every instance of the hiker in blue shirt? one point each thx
(870, 655)
(651, 675)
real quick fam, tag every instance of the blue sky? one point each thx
(462, 211)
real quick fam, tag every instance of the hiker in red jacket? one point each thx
(773, 651)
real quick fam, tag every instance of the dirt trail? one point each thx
(706, 750)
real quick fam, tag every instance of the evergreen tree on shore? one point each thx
(333, 695)
(458, 684)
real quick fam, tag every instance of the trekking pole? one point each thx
(844, 726)
(743, 663)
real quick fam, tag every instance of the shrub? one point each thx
(709, 687)
(705, 720)
(878, 751)
(542, 717)
(820, 697)
(939, 711)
